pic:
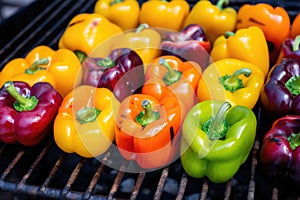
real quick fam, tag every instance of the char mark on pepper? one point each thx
(77, 22)
(256, 21)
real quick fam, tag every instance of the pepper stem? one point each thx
(36, 66)
(88, 113)
(80, 55)
(294, 140)
(106, 62)
(141, 27)
(293, 85)
(216, 127)
(113, 2)
(296, 43)
(228, 34)
(172, 75)
(232, 82)
(21, 103)
(148, 115)
(220, 3)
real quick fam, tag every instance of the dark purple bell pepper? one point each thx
(280, 94)
(190, 44)
(27, 112)
(290, 49)
(280, 152)
(121, 71)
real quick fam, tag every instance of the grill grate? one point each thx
(43, 171)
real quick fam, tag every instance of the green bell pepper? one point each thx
(217, 139)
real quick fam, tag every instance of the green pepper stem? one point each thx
(296, 43)
(216, 127)
(141, 27)
(293, 85)
(172, 75)
(80, 55)
(220, 3)
(294, 140)
(228, 34)
(106, 62)
(22, 103)
(148, 115)
(35, 66)
(87, 114)
(232, 82)
(115, 2)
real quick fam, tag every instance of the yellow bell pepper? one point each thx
(213, 18)
(61, 68)
(85, 121)
(124, 13)
(86, 31)
(164, 14)
(248, 44)
(235, 81)
(144, 41)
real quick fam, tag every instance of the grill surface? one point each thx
(44, 171)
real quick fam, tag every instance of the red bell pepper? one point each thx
(190, 44)
(280, 152)
(121, 71)
(26, 112)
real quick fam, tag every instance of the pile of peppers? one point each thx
(160, 81)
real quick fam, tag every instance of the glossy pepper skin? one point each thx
(164, 14)
(85, 121)
(220, 20)
(290, 49)
(124, 13)
(190, 44)
(280, 152)
(295, 28)
(232, 80)
(248, 44)
(280, 94)
(60, 68)
(182, 77)
(145, 41)
(147, 127)
(216, 140)
(86, 31)
(270, 19)
(121, 71)
(27, 112)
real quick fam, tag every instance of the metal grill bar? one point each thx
(117, 181)
(12, 164)
(161, 183)
(137, 186)
(183, 183)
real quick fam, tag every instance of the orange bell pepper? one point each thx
(85, 121)
(295, 28)
(124, 13)
(61, 68)
(164, 14)
(274, 22)
(181, 77)
(147, 127)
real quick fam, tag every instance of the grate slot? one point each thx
(52, 173)
(33, 166)
(95, 178)
(73, 177)
(117, 181)
(2, 148)
(137, 186)
(161, 183)
(12, 164)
